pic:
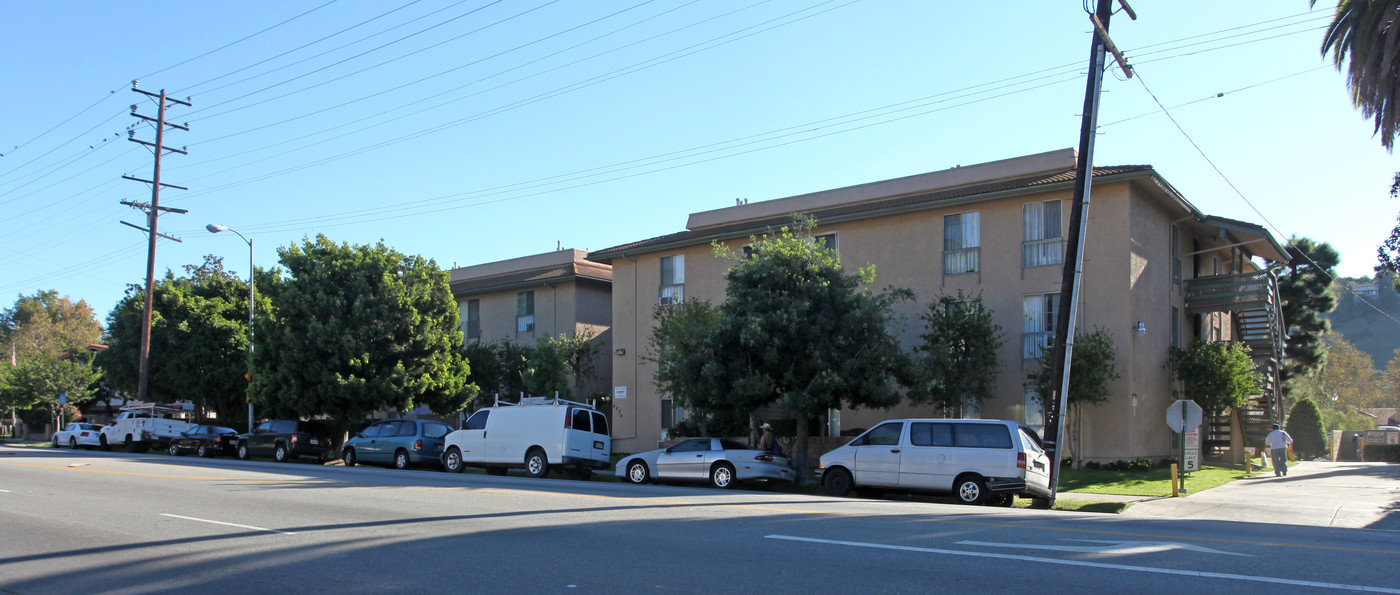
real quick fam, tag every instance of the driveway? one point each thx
(1315, 493)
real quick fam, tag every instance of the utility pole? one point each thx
(1074, 244)
(153, 211)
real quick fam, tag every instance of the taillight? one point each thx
(568, 422)
(418, 444)
(84, 434)
(294, 438)
(1020, 460)
(768, 458)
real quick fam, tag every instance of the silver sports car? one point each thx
(723, 463)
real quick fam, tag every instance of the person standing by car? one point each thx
(1278, 441)
(767, 441)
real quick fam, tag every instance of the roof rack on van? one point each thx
(555, 400)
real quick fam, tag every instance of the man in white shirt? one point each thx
(1278, 441)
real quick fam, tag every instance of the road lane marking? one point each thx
(190, 518)
(6, 491)
(1100, 565)
(1110, 547)
(673, 502)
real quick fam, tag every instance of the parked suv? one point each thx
(976, 460)
(287, 439)
(400, 442)
(536, 434)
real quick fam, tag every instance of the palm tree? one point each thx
(1365, 35)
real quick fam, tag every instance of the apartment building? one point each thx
(525, 299)
(997, 230)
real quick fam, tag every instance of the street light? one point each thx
(252, 292)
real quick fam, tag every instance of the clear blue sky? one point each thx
(476, 131)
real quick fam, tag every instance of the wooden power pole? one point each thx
(1074, 244)
(153, 211)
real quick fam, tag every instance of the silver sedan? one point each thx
(723, 463)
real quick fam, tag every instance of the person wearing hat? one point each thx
(766, 441)
(1278, 441)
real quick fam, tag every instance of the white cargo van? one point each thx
(535, 434)
(976, 460)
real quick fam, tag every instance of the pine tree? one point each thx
(1305, 426)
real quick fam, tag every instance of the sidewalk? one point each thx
(1316, 493)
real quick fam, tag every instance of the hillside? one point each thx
(1369, 330)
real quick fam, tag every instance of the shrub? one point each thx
(1305, 426)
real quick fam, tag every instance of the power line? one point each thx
(236, 42)
(1246, 200)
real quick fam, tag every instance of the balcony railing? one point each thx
(1038, 253)
(957, 262)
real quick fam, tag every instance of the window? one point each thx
(1176, 255)
(927, 434)
(373, 431)
(672, 279)
(478, 420)
(982, 436)
(600, 423)
(670, 414)
(1043, 244)
(473, 319)
(1035, 409)
(961, 243)
(525, 312)
(827, 240)
(883, 435)
(692, 445)
(1041, 310)
(432, 429)
(582, 421)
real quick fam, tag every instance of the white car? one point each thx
(723, 463)
(78, 434)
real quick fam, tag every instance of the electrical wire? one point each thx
(236, 42)
(1251, 204)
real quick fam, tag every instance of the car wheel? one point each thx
(401, 460)
(204, 451)
(637, 472)
(280, 453)
(1002, 500)
(73, 443)
(497, 471)
(837, 482)
(174, 450)
(102, 440)
(722, 476)
(349, 457)
(132, 446)
(536, 463)
(243, 450)
(452, 461)
(970, 489)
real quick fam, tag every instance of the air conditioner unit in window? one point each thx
(668, 300)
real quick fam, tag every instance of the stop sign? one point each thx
(1183, 416)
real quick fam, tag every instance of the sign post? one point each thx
(1184, 416)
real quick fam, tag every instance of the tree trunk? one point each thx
(799, 457)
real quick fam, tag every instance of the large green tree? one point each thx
(45, 339)
(1305, 289)
(798, 332)
(358, 328)
(1218, 375)
(199, 340)
(682, 345)
(1350, 375)
(1093, 364)
(955, 364)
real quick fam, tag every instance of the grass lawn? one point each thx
(1156, 482)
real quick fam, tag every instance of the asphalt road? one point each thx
(106, 522)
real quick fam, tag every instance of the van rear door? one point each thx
(1037, 462)
(578, 434)
(602, 438)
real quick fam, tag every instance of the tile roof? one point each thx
(540, 276)
(871, 208)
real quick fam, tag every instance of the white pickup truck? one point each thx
(140, 427)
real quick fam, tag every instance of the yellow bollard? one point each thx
(1249, 466)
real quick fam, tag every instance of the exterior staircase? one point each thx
(1252, 300)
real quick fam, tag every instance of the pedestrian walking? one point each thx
(1278, 441)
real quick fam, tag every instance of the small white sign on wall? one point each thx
(619, 392)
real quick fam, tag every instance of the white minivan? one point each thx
(535, 434)
(976, 460)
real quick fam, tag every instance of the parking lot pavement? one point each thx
(1315, 493)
